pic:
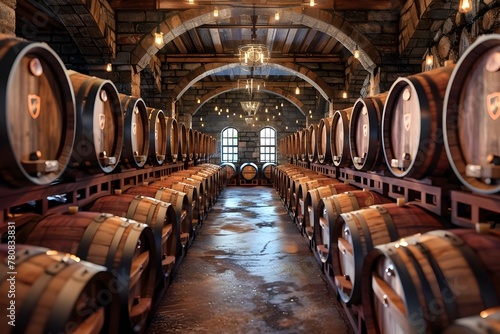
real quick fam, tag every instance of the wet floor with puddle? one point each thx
(249, 271)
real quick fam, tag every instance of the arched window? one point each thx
(267, 145)
(229, 145)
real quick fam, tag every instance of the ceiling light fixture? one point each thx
(297, 90)
(191, 2)
(344, 95)
(356, 53)
(216, 12)
(465, 6)
(253, 55)
(109, 67)
(311, 3)
(277, 16)
(159, 38)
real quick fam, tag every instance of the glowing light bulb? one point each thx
(109, 67)
(159, 38)
(465, 6)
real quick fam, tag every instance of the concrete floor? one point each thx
(249, 271)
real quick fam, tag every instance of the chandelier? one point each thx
(251, 108)
(253, 55)
(251, 85)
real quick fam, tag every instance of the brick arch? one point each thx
(209, 69)
(88, 24)
(320, 20)
(275, 91)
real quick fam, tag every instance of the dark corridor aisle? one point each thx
(249, 271)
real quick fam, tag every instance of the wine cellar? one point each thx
(275, 166)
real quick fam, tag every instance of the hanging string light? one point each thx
(216, 12)
(344, 95)
(277, 16)
(109, 67)
(356, 53)
(297, 90)
(159, 38)
(311, 3)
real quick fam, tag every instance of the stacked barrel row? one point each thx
(249, 173)
(117, 256)
(427, 125)
(400, 267)
(54, 122)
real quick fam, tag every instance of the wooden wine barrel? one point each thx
(37, 113)
(158, 215)
(200, 189)
(311, 143)
(99, 124)
(472, 117)
(125, 247)
(422, 283)
(302, 146)
(183, 142)
(302, 189)
(293, 182)
(196, 144)
(192, 194)
(55, 291)
(213, 180)
(207, 184)
(267, 170)
(191, 143)
(339, 135)
(288, 179)
(412, 125)
(312, 202)
(324, 141)
(486, 322)
(289, 146)
(136, 137)
(232, 171)
(172, 140)
(364, 133)
(180, 203)
(157, 136)
(359, 231)
(249, 171)
(331, 207)
(281, 171)
(203, 146)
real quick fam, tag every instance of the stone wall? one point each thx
(8, 17)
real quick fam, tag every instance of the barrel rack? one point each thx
(80, 191)
(448, 200)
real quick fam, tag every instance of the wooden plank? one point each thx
(289, 40)
(214, 33)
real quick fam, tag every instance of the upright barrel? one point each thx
(323, 140)
(471, 116)
(339, 135)
(136, 125)
(56, 292)
(365, 142)
(99, 125)
(157, 136)
(37, 113)
(172, 140)
(412, 125)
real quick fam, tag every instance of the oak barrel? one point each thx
(365, 142)
(55, 292)
(37, 113)
(324, 140)
(302, 190)
(472, 116)
(422, 283)
(196, 144)
(302, 145)
(312, 202)
(157, 136)
(412, 125)
(191, 192)
(312, 142)
(136, 126)
(172, 140)
(126, 248)
(158, 215)
(330, 209)
(267, 170)
(99, 124)
(207, 184)
(169, 180)
(191, 143)
(249, 171)
(179, 202)
(232, 171)
(183, 142)
(339, 136)
(359, 231)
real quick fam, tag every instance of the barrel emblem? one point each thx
(493, 104)
(34, 105)
(102, 121)
(407, 121)
(365, 130)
